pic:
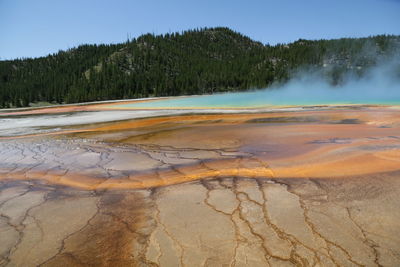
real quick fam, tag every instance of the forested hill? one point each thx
(193, 62)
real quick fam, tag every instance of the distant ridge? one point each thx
(197, 61)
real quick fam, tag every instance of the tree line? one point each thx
(198, 61)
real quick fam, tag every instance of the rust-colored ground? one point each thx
(298, 188)
(329, 143)
(66, 108)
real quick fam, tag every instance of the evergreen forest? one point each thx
(199, 61)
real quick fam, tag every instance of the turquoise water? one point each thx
(267, 98)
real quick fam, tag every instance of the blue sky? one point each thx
(31, 28)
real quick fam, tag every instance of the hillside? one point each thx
(193, 62)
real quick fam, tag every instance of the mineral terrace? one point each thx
(312, 187)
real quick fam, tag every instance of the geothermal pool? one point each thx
(209, 183)
(314, 96)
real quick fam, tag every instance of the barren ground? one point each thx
(306, 188)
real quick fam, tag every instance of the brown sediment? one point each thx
(68, 108)
(243, 222)
(177, 175)
(308, 188)
(47, 110)
(378, 116)
(115, 235)
(309, 144)
(349, 167)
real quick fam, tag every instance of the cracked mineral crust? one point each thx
(259, 189)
